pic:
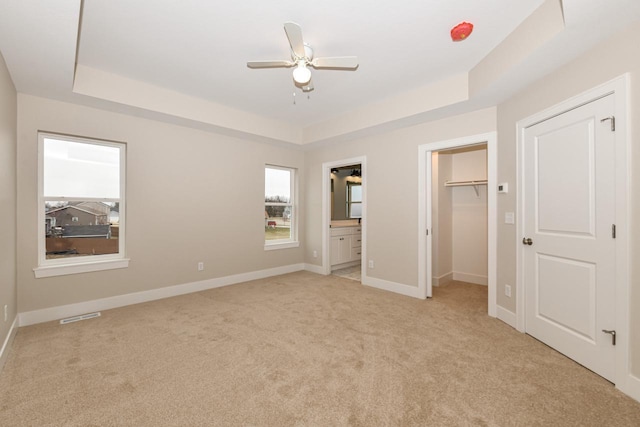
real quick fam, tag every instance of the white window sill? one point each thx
(85, 267)
(282, 245)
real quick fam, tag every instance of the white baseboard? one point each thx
(55, 313)
(631, 388)
(508, 317)
(4, 352)
(442, 280)
(314, 268)
(398, 288)
(471, 278)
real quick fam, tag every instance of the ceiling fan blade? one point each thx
(270, 64)
(336, 62)
(294, 34)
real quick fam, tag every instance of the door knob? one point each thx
(527, 241)
(613, 336)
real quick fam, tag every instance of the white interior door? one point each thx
(569, 211)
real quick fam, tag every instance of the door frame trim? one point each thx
(424, 212)
(326, 211)
(617, 87)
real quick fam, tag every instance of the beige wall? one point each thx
(191, 196)
(441, 219)
(392, 204)
(469, 216)
(611, 59)
(8, 111)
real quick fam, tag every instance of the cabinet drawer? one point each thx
(356, 254)
(342, 231)
(356, 241)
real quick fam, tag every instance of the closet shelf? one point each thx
(473, 183)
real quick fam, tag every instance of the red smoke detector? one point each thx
(461, 31)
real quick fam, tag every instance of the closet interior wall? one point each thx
(459, 216)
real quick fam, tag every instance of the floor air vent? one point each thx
(79, 318)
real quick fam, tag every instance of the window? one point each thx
(354, 200)
(279, 207)
(81, 205)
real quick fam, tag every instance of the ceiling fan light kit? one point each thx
(301, 74)
(302, 58)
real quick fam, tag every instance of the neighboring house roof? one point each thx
(83, 209)
(98, 207)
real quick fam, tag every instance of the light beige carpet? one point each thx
(300, 350)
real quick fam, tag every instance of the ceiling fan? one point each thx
(302, 58)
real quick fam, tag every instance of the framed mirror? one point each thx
(346, 193)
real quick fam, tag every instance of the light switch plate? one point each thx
(509, 218)
(503, 187)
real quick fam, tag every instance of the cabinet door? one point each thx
(345, 249)
(335, 250)
(340, 249)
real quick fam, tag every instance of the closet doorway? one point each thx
(457, 214)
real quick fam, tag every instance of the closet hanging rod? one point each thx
(473, 184)
(465, 183)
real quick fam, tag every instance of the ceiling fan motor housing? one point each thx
(308, 54)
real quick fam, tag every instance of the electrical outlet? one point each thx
(370, 263)
(200, 266)
(315, 254)
(507, 290)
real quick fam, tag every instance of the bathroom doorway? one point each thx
(344, 218)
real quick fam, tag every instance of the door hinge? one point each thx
(613, 122)
(613, 231)
(427, 231)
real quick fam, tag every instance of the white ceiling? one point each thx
(200, 48)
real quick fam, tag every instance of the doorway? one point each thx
(459, 215)
(344, 217)
(425, 209)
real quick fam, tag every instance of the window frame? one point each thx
(72, 265)
(292, 241)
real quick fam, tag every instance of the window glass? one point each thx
(279, 204)
(354, 200)
(81, 200)
(73, 169)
